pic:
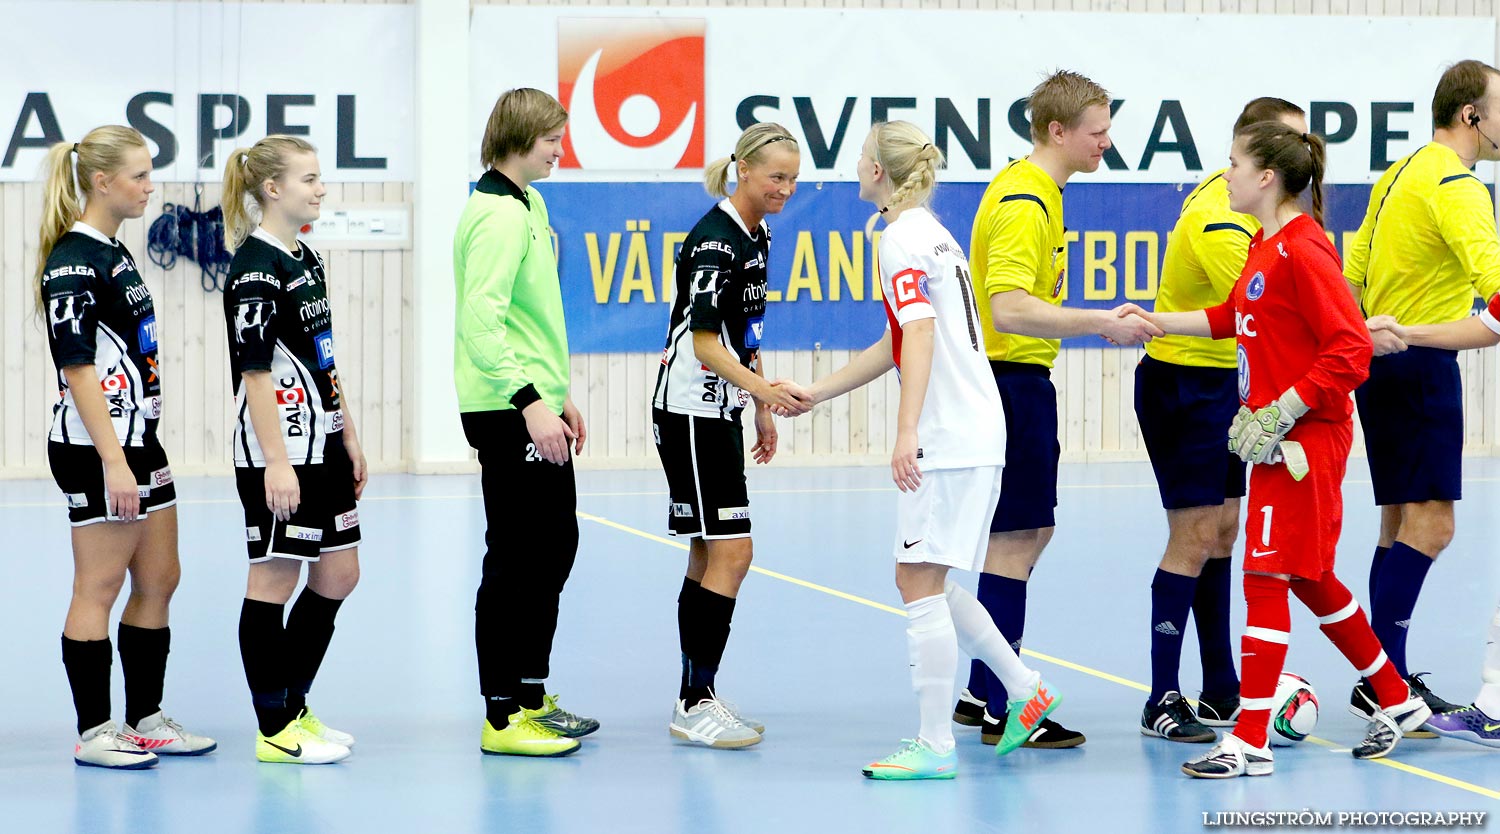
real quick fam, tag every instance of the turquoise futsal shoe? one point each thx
(1025, 714)
(915, 760)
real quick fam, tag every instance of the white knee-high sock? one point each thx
(934, 661)
(981, 640)
(1489, 694)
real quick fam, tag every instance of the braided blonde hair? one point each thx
(911, 160)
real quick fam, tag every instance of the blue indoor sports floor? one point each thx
(817, 653)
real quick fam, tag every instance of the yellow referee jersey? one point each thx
(1427, 242)
(1204, 257)
(1018, 245)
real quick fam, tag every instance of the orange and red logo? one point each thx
(291, 396)
(633, 88)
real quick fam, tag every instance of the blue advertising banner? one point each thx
(617, 241)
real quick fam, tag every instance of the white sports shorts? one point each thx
(947, 520)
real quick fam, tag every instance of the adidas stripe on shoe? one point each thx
(711, 724)
(1363, 705)
(1170, 718)
(1388, 725)
(1229, 758)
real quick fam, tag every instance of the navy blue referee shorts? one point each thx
(1028, 487)
(1185, 412)
(1412, 412)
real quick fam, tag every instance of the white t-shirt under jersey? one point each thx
(924, 274)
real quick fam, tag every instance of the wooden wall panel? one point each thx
(370, 294)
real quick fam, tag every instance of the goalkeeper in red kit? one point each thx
(1302, 349)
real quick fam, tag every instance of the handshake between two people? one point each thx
(788, 399)
(1387, 335)
(1129, 324)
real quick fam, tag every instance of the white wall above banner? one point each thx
(644, 104)
(199, 79)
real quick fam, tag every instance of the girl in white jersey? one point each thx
(942, 514)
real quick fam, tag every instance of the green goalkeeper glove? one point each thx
(1258, 437)
(1237, 426)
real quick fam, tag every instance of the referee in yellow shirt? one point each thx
(1018, 261)
(1186, 395)
(1427, 243)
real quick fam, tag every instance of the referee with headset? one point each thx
(1426, 245)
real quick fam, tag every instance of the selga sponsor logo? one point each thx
(65, 271)
(259, 278)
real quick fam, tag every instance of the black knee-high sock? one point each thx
(262, 648)
(87, 663)
(143, 659)
(309, 628)
(707, 634)
(684, 626)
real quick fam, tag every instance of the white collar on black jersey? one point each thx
(275, 241)
(729, 209)
(85, 229)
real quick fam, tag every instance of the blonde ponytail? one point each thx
(245, 175)
(716, 177)
(748, 150)
(911, 160)
(237, 222)
(102, 151)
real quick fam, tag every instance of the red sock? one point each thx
(1262, 654)
(1341, 618)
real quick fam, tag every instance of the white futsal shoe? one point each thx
(710, 723)
(165, 737)
(104, 746)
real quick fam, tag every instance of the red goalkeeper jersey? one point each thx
(1295, 323)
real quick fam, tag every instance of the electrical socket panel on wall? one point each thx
(363, 227)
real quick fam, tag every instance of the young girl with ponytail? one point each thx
(103, 447)
(950, 450)
(299, 469)
(1303, 348)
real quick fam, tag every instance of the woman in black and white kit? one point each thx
(103, 447)
(298, 464)
(710, 370)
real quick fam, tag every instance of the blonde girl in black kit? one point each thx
(103, 448)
